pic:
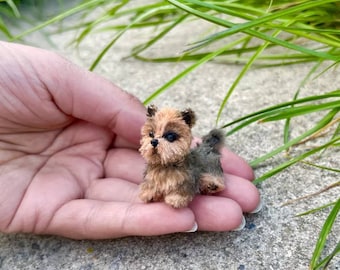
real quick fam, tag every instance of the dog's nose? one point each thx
(154, 142)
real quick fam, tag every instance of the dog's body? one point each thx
(175, 173)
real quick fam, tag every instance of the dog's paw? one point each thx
(177, 200)
(211, 184)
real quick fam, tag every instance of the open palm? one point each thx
(69, 163)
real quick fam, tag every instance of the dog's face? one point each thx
(166, 135)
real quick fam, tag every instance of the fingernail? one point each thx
(242, 225)
(258, 208)
(193, 229)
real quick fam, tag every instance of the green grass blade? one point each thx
(317, 209)
(141, 17)
(306, 109)
(293, 161)
(322, 123)
(286, 129)
(4, 29)
(102, 18)
(108, 15)
(238, 52)
(263, 19)
(323, 167)
(79, 8)
(253, 117)
(189, 69)
(14, 8)
(237, 80)
(233, 28)
(325, 262)
(323, 235)
(192, 57)
(240, 76)
(304, 29)
(139, 49)
(105, 50)
(161, 9)
(249, 119)
(336, 133)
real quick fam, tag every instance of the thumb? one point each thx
(85, 95)
(89, 97)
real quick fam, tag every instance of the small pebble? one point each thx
(241, 267)
(250, 226)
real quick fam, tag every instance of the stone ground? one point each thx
(272, 239)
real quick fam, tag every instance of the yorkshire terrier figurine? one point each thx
(174, 172)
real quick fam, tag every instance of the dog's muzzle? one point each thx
(154, 142)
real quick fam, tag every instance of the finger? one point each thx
(87, 96)
(94, 99)
(238, 189)
(113, 189)
(121, 142)
(98, 101)
(125, 164)
(89, 219)
(214, 213)
(234, 164)
(241, 191)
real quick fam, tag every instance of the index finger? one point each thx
(85, 95)
(92, 98)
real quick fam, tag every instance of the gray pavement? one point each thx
(273, 238)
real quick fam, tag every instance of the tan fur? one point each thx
(164, 184)
(166, 176)
(165, 120)
(211, 183)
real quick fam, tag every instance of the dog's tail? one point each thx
(206, 164)
(214, 139)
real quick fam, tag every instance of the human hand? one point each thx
(69, 163)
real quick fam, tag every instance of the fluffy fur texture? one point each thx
(174, 172)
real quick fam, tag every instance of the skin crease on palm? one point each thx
(69, 160)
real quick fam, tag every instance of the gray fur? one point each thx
(205, 158)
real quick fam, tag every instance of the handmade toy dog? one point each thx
(174, 172)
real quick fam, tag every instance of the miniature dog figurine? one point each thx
(174, 172)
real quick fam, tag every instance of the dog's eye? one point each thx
(170, 136)
(151, 134)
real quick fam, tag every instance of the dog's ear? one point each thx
(151, 110)
(189, 117)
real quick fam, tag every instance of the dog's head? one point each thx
(166, 135)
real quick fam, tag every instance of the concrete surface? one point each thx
(273, 238)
